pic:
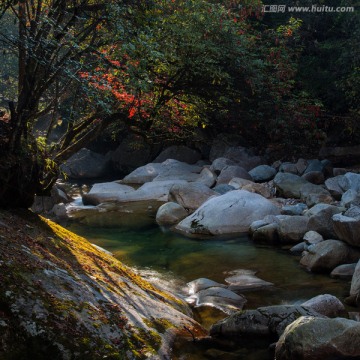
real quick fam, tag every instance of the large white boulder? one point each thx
(230, 213)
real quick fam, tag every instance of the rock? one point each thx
(223, 142)
(350, 181)
(105, 192)
(313, 194)
(312, 237)
(132, 153)
(350, 198)
(243, 157)
(327, 255)
(168, 170)
(320, 219)
(297, 209)
(42, 204)
(289, 185)
(301, 166)
(262, 173)
(327, 305)
(353, 212)
(59, 210)
(59, 195)
(223, 188)
(341, 155)
(259, 189)
(288, 168)
(230, 172)
(69, 300)
(219, 163)
(345, 271)
(347, 229)
(314, 165)
(207, 177)
(179, 152)
(354, 298)
(298, 249)
(292, 229)
(201, 284)
(316, 338)
(230, 213)
(143, 174)
(220, 298)
(239, 183)
(332, 185)
(314, 177)
(255, 225)
(191, 195)
(86, 164)
(170, 213)
(246, 280)
(267, 234)
(339, 171)
(265, 321)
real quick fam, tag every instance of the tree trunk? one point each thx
(19, 180)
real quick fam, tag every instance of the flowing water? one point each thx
(180, 258)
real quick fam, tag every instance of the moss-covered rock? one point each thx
(62, 298)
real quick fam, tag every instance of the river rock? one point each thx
(179, 152)
(314, 165)
(259, 189)
(313, 194)
(86, 164)
(297, 209)
(315, 177)
(239, 183)
(218, 297)
(345, 271)
(190, 195)
(262, 173)
(332, 185)
(289, 185)
(201, 284)
(243, 157)
(132, 152)
(290, 168)
(265, 321)
(232, 212)
(326, 255)
(350, 181)
(347, 229)
(292, 229)
(223, 142)
(353, 212)
(317, 338)
(207, 177)
(230, 172)
(301, 165)
(167, 170)
(105, 192)
(354, 298)
(320, 219)
(298, 249)
(170, 213)
(350, 198)
(245, 280)
(219, 163)
(223, 188)
(312, 237)
(266, 234)
(327, 305)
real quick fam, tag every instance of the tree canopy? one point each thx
(162, 69)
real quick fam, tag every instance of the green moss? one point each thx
(159, 324)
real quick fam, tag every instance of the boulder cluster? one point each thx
(308, 205)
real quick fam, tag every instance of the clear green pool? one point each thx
(180, 258)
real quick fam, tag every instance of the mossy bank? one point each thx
(62, 298)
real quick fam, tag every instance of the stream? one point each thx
(180, 260)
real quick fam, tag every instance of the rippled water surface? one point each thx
(187, 259)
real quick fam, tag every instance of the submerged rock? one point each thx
(245, 280)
